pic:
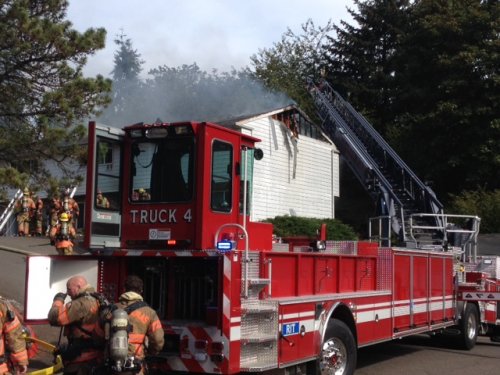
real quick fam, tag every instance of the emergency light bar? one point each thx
(225, 245)
(156, 133)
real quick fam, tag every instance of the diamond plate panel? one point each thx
(486, 264)
(384, 269)
(342, 247)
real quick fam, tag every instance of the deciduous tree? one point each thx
(287, 65)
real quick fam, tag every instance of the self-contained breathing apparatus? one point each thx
(64, 229)
(63, 236)
(25, 204)
(116, 333)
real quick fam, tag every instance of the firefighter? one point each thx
(70, 206)
(11, 338)
(55, 208)
(143, 195)
(26, 208)
(38, 217)
(62, 235)
(80, 319)
(101, 200)
(146, 326)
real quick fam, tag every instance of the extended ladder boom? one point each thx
(400, 193)
(10, 209)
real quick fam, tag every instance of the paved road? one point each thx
(413, 355)
(421, 355)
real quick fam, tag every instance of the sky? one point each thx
(215, 34)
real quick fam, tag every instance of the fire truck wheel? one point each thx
(469, 326)
(338, 353)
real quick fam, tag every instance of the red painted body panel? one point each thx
(297, 345)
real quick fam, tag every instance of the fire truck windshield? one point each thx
(162, 170)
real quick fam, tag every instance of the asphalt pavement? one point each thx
(31, 245)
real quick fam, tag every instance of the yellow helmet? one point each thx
(141, 191)
(26, 191)
(64, 217)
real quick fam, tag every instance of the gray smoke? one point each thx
(187, 93)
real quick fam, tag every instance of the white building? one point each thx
(299, 174)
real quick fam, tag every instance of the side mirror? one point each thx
(258, 154)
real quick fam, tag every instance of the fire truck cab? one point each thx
(230, 300)
(177, 184)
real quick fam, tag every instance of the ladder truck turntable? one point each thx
(232, 301)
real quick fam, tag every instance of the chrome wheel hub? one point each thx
(333, 357)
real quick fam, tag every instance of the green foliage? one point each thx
(425, 73)
(448, 94)
(290, 62)
(128, 63)
(362, 58)
(485, 204)
(286, 226)
(44, 93)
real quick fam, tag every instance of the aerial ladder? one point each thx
(7, 213)
(402, 198)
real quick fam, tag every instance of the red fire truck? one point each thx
(232, 300)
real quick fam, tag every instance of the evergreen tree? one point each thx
(448, 94)
(127, 85)
(362, 57)
(425, 73)
(44, 93)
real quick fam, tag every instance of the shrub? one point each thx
(287, 226)
(485, 204)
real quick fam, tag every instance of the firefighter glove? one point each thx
(60, 296)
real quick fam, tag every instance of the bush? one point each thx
(287, 226)
(485, 204)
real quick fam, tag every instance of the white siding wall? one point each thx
(280, 188)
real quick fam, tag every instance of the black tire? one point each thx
(469, 327)
(338, 354)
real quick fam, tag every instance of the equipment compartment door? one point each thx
(103, 193)
(46, 276)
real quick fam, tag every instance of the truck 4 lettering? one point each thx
(158, 216)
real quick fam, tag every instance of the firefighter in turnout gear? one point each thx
(70, 206)
(80, 319)
(146, 336)
(38, 217)
(62, 234)
(26, 208)
(101, 200)
(54, 210)
(11, 338)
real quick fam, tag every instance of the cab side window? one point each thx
(222, 177)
